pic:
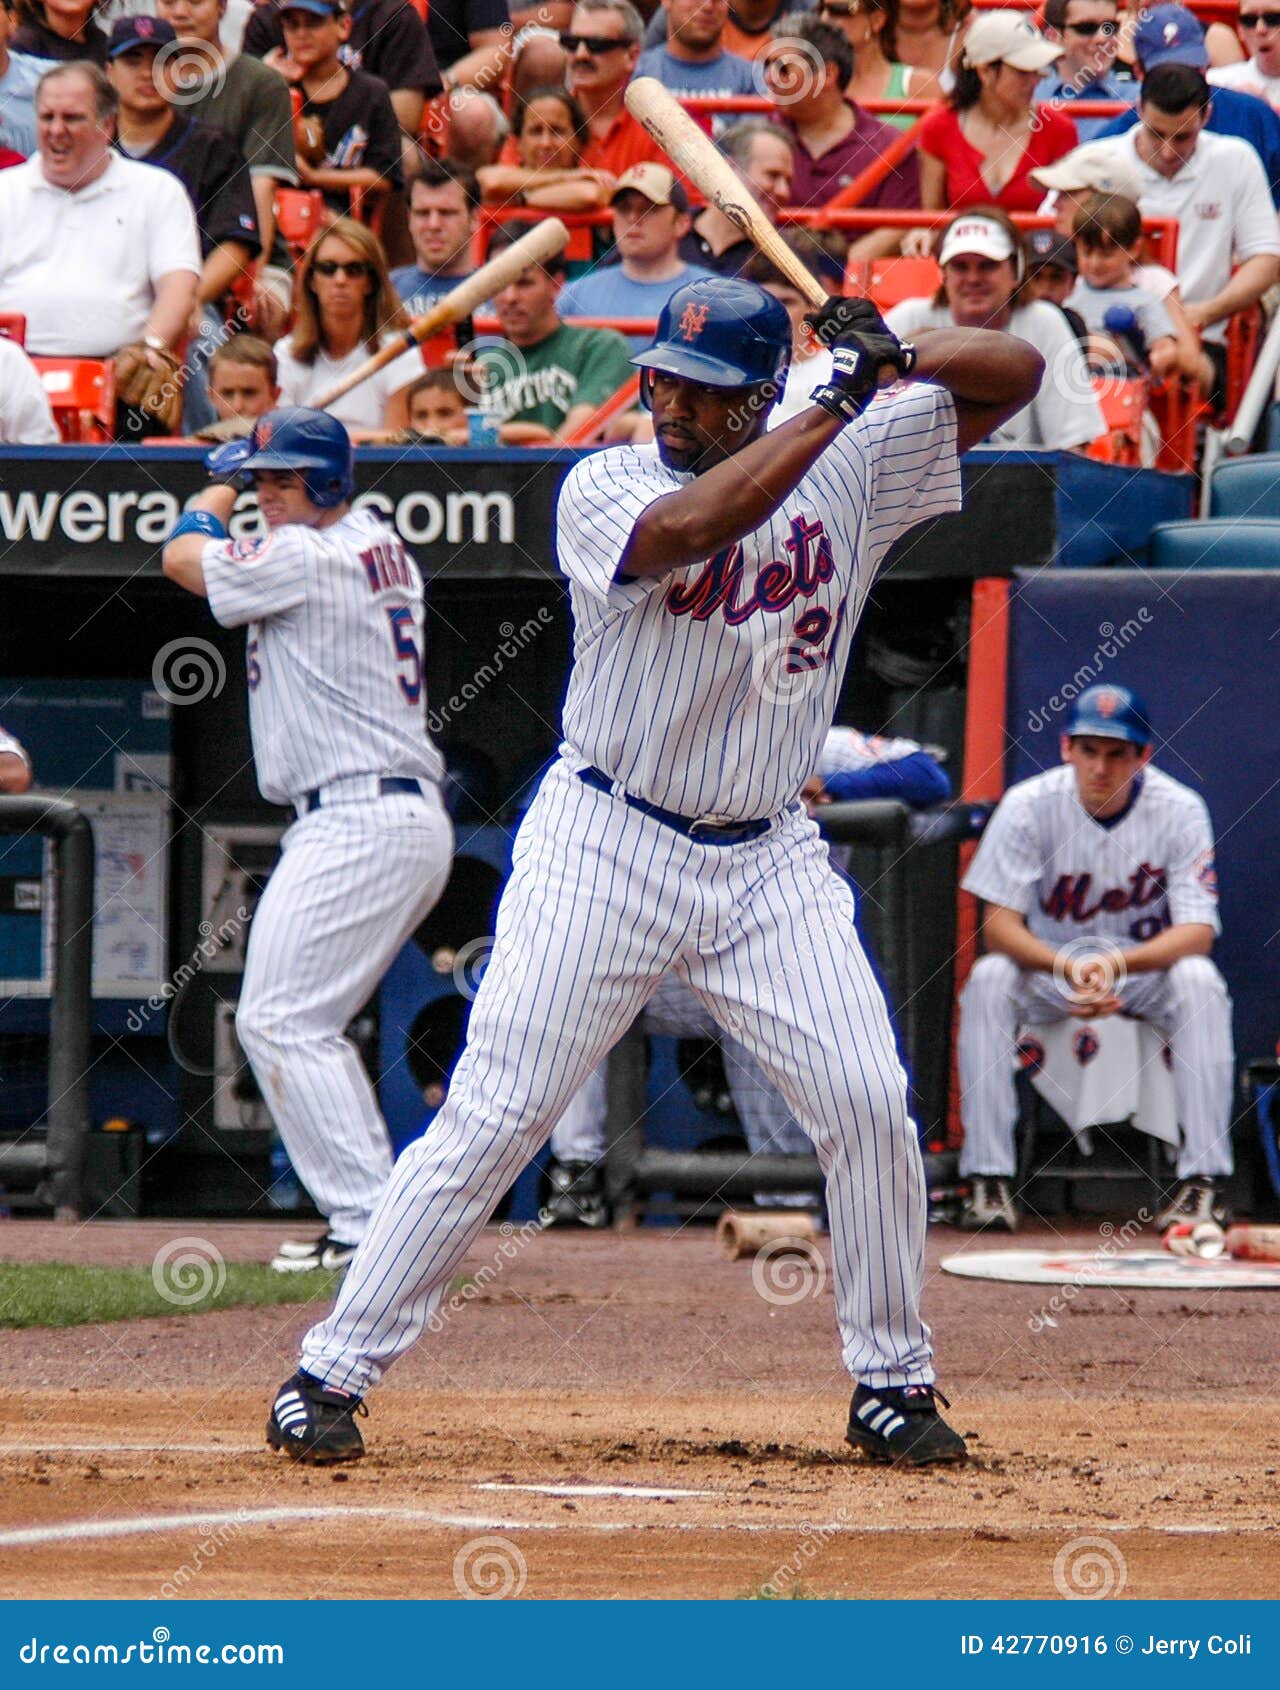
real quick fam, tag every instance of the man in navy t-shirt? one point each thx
(693, 59)
(442, 220)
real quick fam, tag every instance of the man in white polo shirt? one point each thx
(1216, 187)
(96, 251)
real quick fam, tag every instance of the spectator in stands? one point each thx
(692, 59)
(603, 45)
(764, 156)
(437, 409)
(19, 73)
(467, 38)
(15, 765)
(64, 34)
(243, 96)
(548, 168)
(1125, 320)
(870, 27)
(558, 375)
(810, 364)
(96, 251)
(347, 139)
(982, 146)
(1087, 31)
(244, 381)
(1098, 167)
(1051, 265)
(25, 420)
(1259, 74)
(345, 309)
(747, 32)
(1216, 188)
(650, 218)
(387, 39)
(983, 287)
(1171, 35)
(929, 34)
(443, 199)
(834, 140)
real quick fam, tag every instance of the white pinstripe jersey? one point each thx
(847, 751)
(1072, 877)
(335, 652)
(709, 691)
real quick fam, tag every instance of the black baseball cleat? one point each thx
(576, 1195)
(901, 1424)
(324, 1255)
(1197, 1199)
(310, 1421)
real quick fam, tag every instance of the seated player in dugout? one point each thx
(546, 377)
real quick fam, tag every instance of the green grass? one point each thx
(63, 1294)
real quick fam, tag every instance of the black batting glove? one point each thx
(857, 367)
(843, 319)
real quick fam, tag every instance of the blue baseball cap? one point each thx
(318, 8)
(140, 31)
(1110, 712)
(1169, 35)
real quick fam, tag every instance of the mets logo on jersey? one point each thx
(1085, 1046)
(718, 584)
(694, 320)
(248, 551)
(1207, 873)
(1030, 1053)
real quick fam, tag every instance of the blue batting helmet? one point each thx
(312, 442)
(1109, 712)
(720, 331)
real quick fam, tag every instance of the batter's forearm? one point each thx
(729, 500)
(182, 555)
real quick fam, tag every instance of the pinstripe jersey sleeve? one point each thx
(248, 580)
(1193, 880)
(1009, 863)
(602, 499)
(908, 436)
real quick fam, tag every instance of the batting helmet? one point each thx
(312, 442)
(1110, 712)
(723, 332)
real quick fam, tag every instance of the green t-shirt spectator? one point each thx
(543, 383)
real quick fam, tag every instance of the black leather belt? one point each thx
(387, 785)
(706, 833)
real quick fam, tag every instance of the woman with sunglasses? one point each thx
(878, 74)
(344, 310)
(549, 134)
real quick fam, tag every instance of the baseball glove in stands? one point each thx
(150, 381)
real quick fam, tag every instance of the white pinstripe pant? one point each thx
(601, 903)
(352, 883)
(1188, 1004)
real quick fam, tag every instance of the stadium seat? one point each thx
(13, 326)
(1216, 544)
(1123, 402)
(82, 396)
(891, 280)
(1246, 487)
(300, 215)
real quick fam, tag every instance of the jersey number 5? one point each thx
(406, 649)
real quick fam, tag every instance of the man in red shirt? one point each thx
(834, 139)
(603, 43)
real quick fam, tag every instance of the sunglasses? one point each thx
(1259, 20)
(593, 43)
(331, 266)
(1110, 27)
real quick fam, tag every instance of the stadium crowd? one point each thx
(239, 200)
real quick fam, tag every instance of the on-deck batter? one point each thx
(333, 607)
(1102, 898)
(716, 580)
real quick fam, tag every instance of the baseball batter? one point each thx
(332, 605)
(716, 579)
(1102, 899)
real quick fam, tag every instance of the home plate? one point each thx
(1130, 1270)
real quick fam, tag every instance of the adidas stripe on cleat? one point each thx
(311, 1422)
(901, 1424)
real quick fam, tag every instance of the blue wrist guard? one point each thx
(199, 522)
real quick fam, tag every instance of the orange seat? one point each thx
(82, 396)
(13, 326)
(300, 215)
(1123, 399)
(891, 280)
(1179, 408)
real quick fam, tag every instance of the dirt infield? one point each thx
(627, 1415)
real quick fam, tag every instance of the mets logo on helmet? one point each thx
(1107, 704)
(693, 320)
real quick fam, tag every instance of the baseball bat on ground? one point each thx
(739, 1234)
(542, 242)
(1254, 1243)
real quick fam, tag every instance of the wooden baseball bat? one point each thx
(542, 242)
(1254, 1243)
(695, 155)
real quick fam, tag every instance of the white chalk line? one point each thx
(46, 1448)
(85, 1531)
(649, 1492)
